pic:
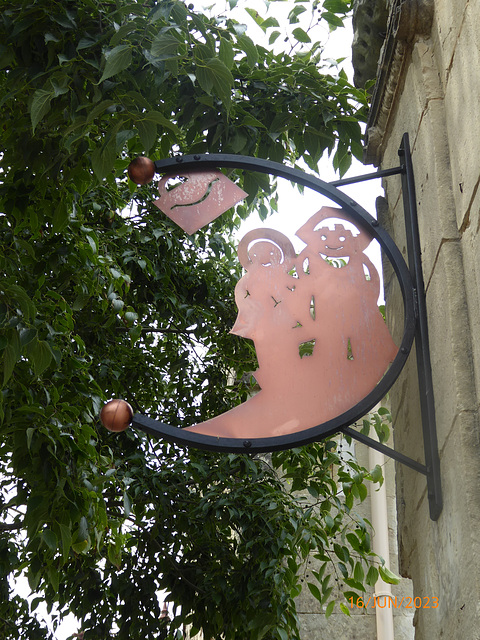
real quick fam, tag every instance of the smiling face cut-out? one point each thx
(265, 254)
(335, 244)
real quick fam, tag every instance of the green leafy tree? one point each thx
(95, 304)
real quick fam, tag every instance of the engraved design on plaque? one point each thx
(193, 199)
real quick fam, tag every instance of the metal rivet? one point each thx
(374, 223)
(404, 350)
(179, 159)
(196, 157)
(247, 444)
(352, 203)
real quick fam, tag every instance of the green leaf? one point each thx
(131, 317)
(358, 574)
(40, 356)
(80, 301)
(26, 336)
(103, 159)
(82, 533)
(11, 354)
(362, 492)
(219, 78)
(257, 18)
(247, 45)
(376, 473)
(127, 504)
(117, 59)
(59, 85)
(329, 609)
(50, 539)
(147, 131)
(9, 361)
(34, 603)
(269, 23)
(80, 547)
(25, 304)
(301, 35)
(294, 13)
(66, 541)
(204, 78)
(315, 591)
(344, 609)
(332, 20)
(336, 6)
(114, 556)
(135, 333)
(372, 576)
(354, 542)
(226, 53)
(61, 217)
(40, 105)
(159, 118)
(118, 304)
(329, 521)
(85, 43)
(388, 576)
(165, 46)
(382, 430)
(54, 577)
(30, 434)
(282, 634)
(274, 37)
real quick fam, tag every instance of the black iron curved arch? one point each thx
(365, 221)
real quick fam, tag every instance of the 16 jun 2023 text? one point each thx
(394, 602)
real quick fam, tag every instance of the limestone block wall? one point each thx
(431, 89)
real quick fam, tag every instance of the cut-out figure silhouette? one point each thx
(268, 309)
(352, 345)
(359, 346)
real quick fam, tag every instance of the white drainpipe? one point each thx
(380, 544)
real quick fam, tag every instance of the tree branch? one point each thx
(12, 526)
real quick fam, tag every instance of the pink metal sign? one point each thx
(322, 344)
(197, 197)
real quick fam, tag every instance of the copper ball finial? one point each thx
(116, 415)
(141, 170)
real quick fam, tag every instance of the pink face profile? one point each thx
(337, 243)
(267, 248)
(265, 254)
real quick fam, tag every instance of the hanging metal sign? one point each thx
(325, 355)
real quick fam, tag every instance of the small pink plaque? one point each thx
(201, 197)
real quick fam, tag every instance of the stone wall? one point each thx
(429, 86)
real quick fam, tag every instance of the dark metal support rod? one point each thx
(424, 366)
(391, 453)
(383, 173)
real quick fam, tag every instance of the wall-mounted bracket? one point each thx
(432, 461)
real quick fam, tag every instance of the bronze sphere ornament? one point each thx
(325, 356)
(141, 170)
(116, 415)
